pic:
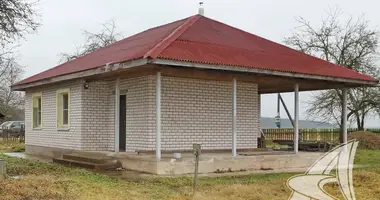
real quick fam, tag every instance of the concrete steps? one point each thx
(88, 160)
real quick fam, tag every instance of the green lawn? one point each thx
(51, 181)
(368, 157)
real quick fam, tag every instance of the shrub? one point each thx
(367, 140)
(272, 145)
(20, 148)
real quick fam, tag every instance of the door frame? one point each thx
(120, 123)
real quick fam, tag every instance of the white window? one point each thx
(37, 110)
(63, 108)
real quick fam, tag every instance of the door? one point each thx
(123, 122)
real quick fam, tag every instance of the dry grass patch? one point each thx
(51, 181)
(366, 183)
(367, 140)
(35, 187)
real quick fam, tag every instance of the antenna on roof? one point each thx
(201, 10)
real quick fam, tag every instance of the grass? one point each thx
(368, 157)
(52, 181)
(11, 146)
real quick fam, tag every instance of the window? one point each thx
(63, 108)
(37, 110)
(16, 125)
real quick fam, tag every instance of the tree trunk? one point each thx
(362, 122)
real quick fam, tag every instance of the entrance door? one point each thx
(123, 122)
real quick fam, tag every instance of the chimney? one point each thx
(201, 10)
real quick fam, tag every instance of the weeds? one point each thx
(367, 140)
(11, 146)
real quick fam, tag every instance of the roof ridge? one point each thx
(156, 50)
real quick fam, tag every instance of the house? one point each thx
(270, 122)
(195, 80)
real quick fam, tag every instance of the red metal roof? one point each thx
(203, 40)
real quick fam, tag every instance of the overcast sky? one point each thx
(63, 23)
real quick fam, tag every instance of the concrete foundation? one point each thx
(209, 162)
(47, 152)
(220, 162)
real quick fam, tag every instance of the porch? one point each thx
(210, 162)
(234, 94)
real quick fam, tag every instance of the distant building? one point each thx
(269, 122)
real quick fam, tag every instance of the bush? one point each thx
(20, 148)
(367, 140)
(272, 145)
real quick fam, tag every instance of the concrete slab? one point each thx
(218, 162)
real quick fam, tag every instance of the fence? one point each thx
(13, 134)
(326, 135)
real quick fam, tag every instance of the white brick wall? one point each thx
(140, 125)
(247, 115)
(97, 117)
(49, 136)
(193, 111)
(200, 111)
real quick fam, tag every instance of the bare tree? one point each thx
(350, 44)
(94, 41)
(10, 73)
(17, 17)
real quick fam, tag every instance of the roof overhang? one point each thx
(106, 69)
(263, 72)
(88, 73)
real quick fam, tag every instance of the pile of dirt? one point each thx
(367, 140)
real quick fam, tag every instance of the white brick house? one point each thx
(191, 81)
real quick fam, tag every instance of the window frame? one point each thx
(60, 120)
(34, 97)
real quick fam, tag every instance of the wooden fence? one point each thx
(325, 135)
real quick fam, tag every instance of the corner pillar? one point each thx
(296, 117)
(158, 116)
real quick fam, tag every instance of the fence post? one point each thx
(2, 169)
(196, 152)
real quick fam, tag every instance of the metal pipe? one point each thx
(117, 114)
(296, 117)
(234, 117)
(286, 110)
(344, 113)
(158, 116)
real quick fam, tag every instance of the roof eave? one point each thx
(91, 72)
(262, 71)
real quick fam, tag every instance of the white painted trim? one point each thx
(117, 114)
(234, 117)
(296, 117)
(259, 71)
(99, 70)
(158, 116)
(34, 95)
(344, 113)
